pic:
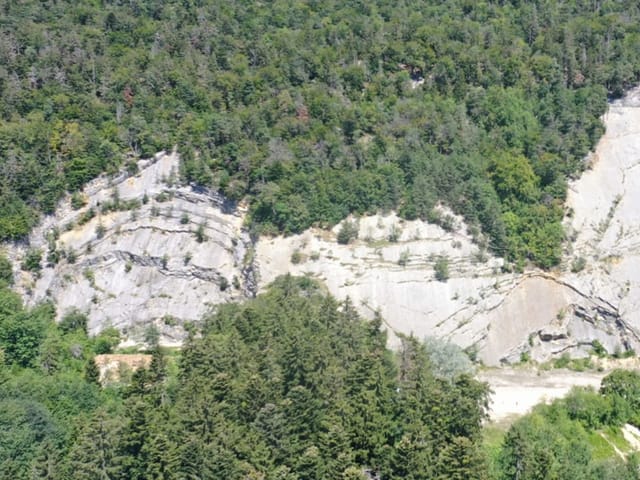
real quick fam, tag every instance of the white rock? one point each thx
(149, 268)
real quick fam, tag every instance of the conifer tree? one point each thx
(46, 462)
(92, 372)
(94, 455)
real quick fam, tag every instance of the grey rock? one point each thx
(147, 267)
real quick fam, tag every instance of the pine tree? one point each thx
(45, 463)
(94, 455)
(92, 372)
(335, 447)
(161, 458)
(461, 460)
(133, 438)
(413, 454)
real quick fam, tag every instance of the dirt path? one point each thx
(619, 452)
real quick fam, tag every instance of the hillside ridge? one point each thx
(156, 252)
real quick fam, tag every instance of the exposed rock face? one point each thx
(180, 250)
(503, 316)
(165, 261)
(398, 278)
(606, 225)
(113, 366)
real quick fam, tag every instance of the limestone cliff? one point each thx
(155, 252)
(142, 251)
(594, 296)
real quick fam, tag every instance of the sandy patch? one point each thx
(517, 391)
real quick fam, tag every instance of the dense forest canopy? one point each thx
(315, 109)
(289, 386)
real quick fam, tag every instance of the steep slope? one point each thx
(152, 253)
(605, 219)
(499, 315)
(163, 254)
(503, 316)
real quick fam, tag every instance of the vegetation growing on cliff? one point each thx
(291, 385)
(309, 108)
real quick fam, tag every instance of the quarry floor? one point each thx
(516, 390)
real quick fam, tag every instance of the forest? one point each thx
(307, 111)
(311, 110)
(290, 385)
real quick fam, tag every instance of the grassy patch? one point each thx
(492, 438)
(601, 449)
(614, 435)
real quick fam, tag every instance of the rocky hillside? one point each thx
(144, 250)
(502, 316)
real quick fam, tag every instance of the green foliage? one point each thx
(441, 268)
(223, 283)
(100, 230)
(16, 218)
(447, 359)
(291, 384)
(72, 256)
(200, 235)
(557, 440)
(152, 336)
(599, 349)
(90, 276)
(77, 201)
(29, 424)
(297, 257)
(563, 361)
(106, 341)
(92, 372)
(86, 216)
(72, 321)
(311, 118)
(6, 271)
(43, 393)
(394, 234)
(95, 453)
(623, 388)
(537, 447)
(403, 260)
(32, 260)
(348, 232)
(578, 264)
(21, 332)
(513, 179)
(321, 421)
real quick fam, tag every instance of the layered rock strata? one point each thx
(156, 253)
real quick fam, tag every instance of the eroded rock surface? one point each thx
(163, 257)
(169, 253)
(503, 316)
